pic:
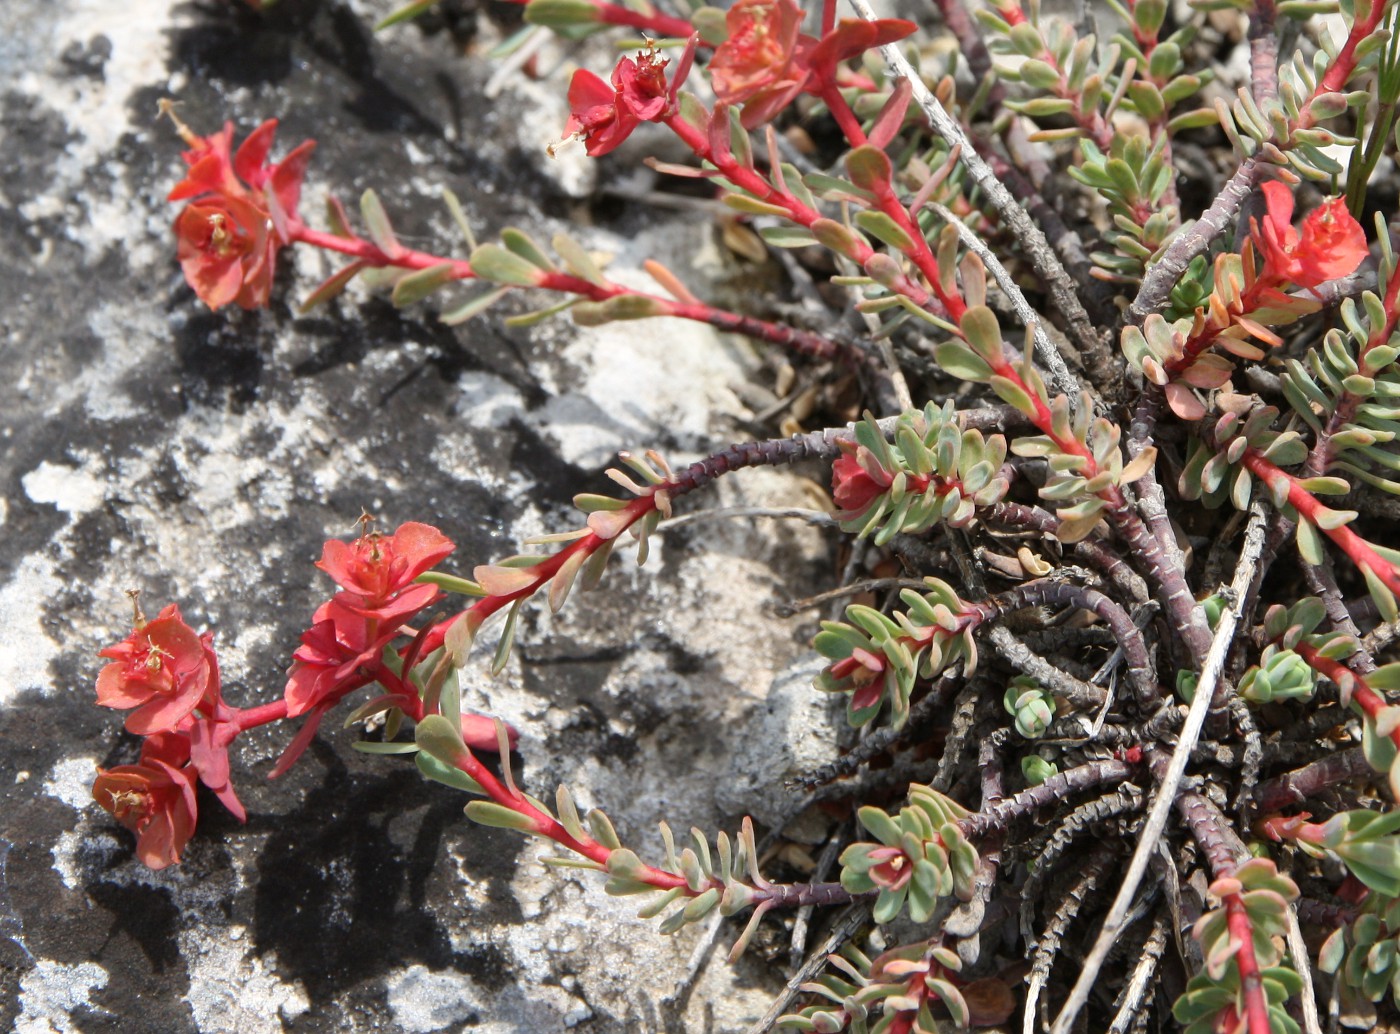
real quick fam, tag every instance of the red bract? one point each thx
(853, 37)
(1331, 243)
(603, 116)
(861, 674)
(375, 569)
(155, 799)
(163, 669)
(244, 213)
(853, 487)
(210, 736)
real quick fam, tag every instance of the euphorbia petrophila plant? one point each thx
(1042, 506)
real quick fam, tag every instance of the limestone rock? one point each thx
(203, 457)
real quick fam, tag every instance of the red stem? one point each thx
(1256, 1006)
(1366, 699)
(274, 711)
(749, 180)
(801, 341)
(484, 607)
(1198, 343)
(662, 24)
(366, 251)
(547, 826)
(1353, 545)
(613, 14)
(889, 203)
(1337, 74)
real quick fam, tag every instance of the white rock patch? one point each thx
(50, 992)
(71, 490)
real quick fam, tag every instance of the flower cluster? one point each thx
(242, 212)
(168, 676)
(1248, 298)
(932, 472)
(347, 646)
(766, 61)
(921, 856)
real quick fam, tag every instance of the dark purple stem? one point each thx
(1322, 913)
(1045, 592)
(1159, 549)
(795, 895)
(1091, 551)
(1297, 786)
(1195, 240)
(1000, 814)
(1263, 52)
(1223, 849)
(815, 445)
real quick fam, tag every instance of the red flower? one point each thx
(376, 569)
(332, 652)
(226, 252)
(154, 799)
(766, 61)
(245, 212)
(856, 484)
(761, 64)
(604, 116)
(349, 632)
(893, 870)
(1330, 245)
(336, 654)
(163, 669)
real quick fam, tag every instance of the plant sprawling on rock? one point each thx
(1048, 591)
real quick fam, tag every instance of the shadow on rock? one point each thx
(352, 886)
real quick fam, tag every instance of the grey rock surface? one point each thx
(203, 457)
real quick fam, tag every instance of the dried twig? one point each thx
(851, 920)
(1171, 780)
(798, 941)
(959, 734)
(1140, 983)
(1101, 809)
(1078, 694)
(1381, 636)
(883, 739)
(1049, 944)
(1252, 760)
(1302, 964)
